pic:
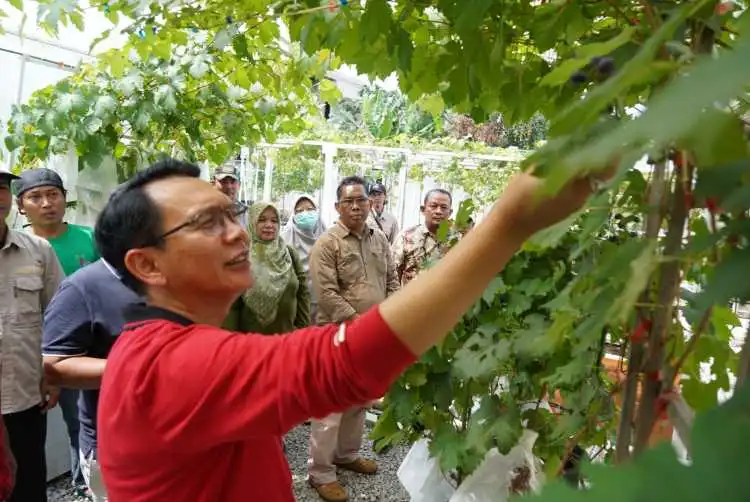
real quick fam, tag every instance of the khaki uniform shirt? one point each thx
(386, 223)
(350, 274)
(29, 277)
(414, 249)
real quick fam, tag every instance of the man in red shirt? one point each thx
(189, 412)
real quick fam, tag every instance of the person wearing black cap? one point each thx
(29, 276)
(41, 197)
(379, 218)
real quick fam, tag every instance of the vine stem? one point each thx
(669, 282)
(675, 372)
(635, 356)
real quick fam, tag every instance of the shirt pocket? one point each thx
(350, 268)
(27, 294)
(379, 257)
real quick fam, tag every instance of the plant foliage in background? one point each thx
(384, 114)
(526, 135)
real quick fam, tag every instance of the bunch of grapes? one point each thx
(599, 69)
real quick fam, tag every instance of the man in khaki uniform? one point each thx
(29, 277)
(351, 270)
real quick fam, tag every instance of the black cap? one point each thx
(34, 178)
(377, 188)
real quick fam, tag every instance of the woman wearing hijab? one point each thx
(301, 232)
(279, 300)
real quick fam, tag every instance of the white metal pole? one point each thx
(403, 176)
(268, 175)
(330, 182)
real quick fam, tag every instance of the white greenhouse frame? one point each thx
(408, 195)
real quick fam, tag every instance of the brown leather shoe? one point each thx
(361, 466)
(330, 492)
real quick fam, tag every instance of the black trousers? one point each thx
(27, 433)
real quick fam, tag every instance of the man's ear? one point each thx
(19, 204)
(143, 265)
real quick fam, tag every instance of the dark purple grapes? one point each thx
(579, 77)
(605, 66)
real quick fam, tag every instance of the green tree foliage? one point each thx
(384, 114)
(181, 91)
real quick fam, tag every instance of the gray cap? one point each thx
(34, 178)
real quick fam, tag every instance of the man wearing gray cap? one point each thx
(226, 181)
(29, 276)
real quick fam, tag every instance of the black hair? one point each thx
(433, 191)
(131, 220)
(348, 182)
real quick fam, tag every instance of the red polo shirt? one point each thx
(194, 413)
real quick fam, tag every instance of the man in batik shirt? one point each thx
(416, 246)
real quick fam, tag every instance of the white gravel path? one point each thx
(382, 487)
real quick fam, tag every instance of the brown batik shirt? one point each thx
(414, 249)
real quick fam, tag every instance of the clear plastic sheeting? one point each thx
(93, 188)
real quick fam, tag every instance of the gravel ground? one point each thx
(382, 487)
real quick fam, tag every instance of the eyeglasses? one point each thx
(361, 201)
(212, 221)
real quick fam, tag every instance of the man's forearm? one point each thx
(75, 372)
(427, 308)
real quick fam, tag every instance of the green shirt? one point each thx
(75, 248)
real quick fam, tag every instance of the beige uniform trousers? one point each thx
(335, 439)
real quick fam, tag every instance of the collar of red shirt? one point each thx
(137, 314)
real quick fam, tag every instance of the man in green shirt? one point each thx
(42, 199)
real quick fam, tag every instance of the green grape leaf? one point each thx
(640, 275)
(447, 446)
(726, 281)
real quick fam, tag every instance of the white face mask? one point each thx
(306, 220)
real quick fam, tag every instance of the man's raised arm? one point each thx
(424, 311)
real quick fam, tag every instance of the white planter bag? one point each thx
(422, 478)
